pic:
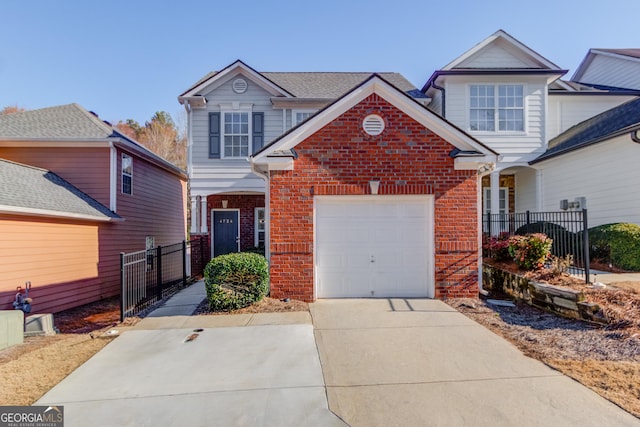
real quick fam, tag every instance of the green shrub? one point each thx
(617, 244)
(531, 251)
(236, 280)
(255, 250)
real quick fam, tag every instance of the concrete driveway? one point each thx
(246, 370)
(419, 362)
(378, 362)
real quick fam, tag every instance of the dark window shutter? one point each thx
(258, 131)
(214, 135)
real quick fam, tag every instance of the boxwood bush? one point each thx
(617, 244)
(236, 280)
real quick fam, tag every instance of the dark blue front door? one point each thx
(225, 232)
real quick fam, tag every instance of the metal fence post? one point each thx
(528, 222)
(123, 289)
(159, 272)
(184, 263)
(585, 243)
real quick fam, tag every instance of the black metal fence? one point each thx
(149, 276)
(568, 229)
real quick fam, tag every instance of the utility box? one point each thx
(11, 328)
(39, 324)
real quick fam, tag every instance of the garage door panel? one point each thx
(380, 244)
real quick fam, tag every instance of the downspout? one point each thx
(635, 136)
(442, 90)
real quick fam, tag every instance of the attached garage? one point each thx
(374, 196)
(374, 246)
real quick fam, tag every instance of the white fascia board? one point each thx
(474, 163)
(501, 35)
(6, 209)
(407, 105)
(237, 66)
(280, 163)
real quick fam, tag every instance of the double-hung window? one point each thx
(235, 134)
(127, 174)
(298, 116)
(496, 107)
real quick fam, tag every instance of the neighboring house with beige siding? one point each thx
(70, 161)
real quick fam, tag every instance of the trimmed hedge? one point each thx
(618, 244)
(236, 280)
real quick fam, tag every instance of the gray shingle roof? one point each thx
(323, 85)
(598, 128)
(29, 188)
(330, 85)
(64, 121)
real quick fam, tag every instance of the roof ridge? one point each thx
(93, 117)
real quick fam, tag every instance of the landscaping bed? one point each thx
(604, 359)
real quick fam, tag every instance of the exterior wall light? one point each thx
(374, 186)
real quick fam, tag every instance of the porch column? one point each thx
(539, 191)
(194, 214)
(203, 215)
(495, 197)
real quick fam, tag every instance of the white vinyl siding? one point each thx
(229, 174)
(569, 110)
(612, 71)
(606, 173)
(499, 55)
(525, 193)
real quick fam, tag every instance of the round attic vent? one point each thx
(373, 124)
(239, 85)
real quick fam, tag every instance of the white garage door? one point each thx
(374, 246)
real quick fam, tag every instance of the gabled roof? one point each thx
(628, 54)
(537, 61)
(71, 123)
(616, 121)
(34, 191)
(65, 121)
(522, 60)
(308, 85)
(395, 96)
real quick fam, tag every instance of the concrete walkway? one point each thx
(421, 363)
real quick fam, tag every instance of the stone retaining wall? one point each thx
(562, 301)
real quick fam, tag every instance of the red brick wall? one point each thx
(341, 159)
(247, 205)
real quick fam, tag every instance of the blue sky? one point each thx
(129, 59)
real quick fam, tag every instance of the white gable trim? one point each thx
(500, 34)
(237, 67)
(376, 85)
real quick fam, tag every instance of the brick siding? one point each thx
(341, 159)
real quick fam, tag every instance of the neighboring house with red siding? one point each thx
(71, 257)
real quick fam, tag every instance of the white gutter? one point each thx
(5, 209)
